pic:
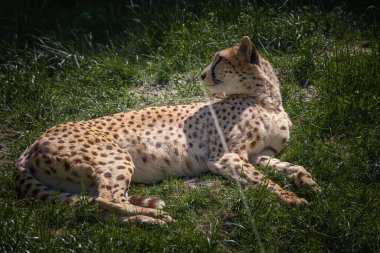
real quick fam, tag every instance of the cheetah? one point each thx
(230, 136)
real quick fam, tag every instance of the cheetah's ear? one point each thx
(247, 51)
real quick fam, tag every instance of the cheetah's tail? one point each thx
(146, 202)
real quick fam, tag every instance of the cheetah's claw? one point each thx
(306, 181)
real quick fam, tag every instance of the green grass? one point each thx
(80, 61)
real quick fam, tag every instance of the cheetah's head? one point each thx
(239, 70)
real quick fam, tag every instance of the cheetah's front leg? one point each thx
(232, 165)
(295, 173)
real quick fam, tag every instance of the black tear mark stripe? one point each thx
(214, 79)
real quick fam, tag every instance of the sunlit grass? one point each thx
(150, 55)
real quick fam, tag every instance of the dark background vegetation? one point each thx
(22, 19)
(75, 60)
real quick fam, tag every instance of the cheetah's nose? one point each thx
(203, 75)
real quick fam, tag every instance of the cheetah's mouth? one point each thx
(214, 82)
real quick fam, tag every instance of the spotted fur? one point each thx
(103, 156)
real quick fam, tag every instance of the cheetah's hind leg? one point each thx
(127, 213)
(114, 174)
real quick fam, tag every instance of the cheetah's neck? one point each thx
(267, 94)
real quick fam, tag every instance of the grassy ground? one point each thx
(61, 62)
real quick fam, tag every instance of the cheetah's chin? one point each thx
(213, 84)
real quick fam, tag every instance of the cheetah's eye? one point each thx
(217, 61)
